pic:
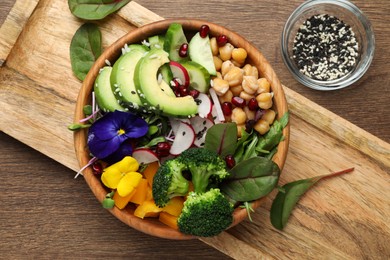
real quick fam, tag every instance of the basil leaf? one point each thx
(290, 193)
(251, 179)
(222, 138)
(95, 9)
(85, 48)
(273, 137)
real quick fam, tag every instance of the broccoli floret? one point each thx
(169, 182)
(205, 214)
(206, 167)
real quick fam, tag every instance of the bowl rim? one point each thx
(153, 227)
(342, 82)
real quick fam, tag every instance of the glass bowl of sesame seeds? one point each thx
(327, 44)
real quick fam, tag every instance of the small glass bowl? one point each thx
(349, 14)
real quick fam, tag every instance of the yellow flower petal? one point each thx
(128, 183)
(127, 164)
(111, 177)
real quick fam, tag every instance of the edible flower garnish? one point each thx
(108, 133)
(122, 176)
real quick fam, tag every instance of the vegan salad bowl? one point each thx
(172, 102)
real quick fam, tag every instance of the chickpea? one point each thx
(217, 63)
(234, 76)
(219, 75)
(238, 116)
(250, 70)
(236, 90)
(269, 116)
(240, 128)
(250, 84)
(214, 46)
(261, 126)
(220, 86)
(227, 97)
(246, 96)
(225, 52)
(239, 55)
(226, 66)
(264, 100)
(264, 85)
(250, 114)
(237, 64)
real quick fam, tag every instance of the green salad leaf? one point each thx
(289, 195)
(222, 138)
(85, 48)
(95, 9)
(251, 179)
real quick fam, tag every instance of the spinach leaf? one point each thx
(95, 9)
(85, 48)
(222, 138)
(273, 137)
(290, 194)
(251, 179)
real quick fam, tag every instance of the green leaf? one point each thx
(95, 9)
(222, 138)
(273, 137)
(76, 127)
(289, 195)
(251, 179)
(85, 48)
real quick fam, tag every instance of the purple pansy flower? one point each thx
(109, 132)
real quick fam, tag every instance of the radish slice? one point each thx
(217, 105)
(184, 139)
(175, 123)
(200, 125)
(179, 72)
(145, 156)
(214, 115)
(204, 105)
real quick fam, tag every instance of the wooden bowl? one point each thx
(152, 226)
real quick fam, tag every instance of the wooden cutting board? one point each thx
(341, 218)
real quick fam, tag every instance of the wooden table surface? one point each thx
(45, 213)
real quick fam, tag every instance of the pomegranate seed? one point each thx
(259, 114)
(97, 168)
(230, 161)
(227, 108)
(222, 40)
(184, 91)
(204, 31)
(249, 125)
(252, 104)
(162, 149)
(194, 93)
(238, 102)
(183, 51)
(175, 84)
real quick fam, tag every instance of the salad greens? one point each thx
(85, 48)
(95, 9)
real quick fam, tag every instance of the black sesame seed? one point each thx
(325, 48)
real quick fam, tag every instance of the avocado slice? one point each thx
(103, 92)
(123, 74)
(149, 89)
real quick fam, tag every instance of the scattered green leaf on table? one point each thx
(85, 48)
(95, 9)
(290, 193)
(251, 179)
(222, 138)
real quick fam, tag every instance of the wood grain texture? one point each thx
(342, 218)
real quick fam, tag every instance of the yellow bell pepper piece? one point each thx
(147, 209)
(139, 195)
(121, 202)
(150, 171)
(168, 219)
(174, 206)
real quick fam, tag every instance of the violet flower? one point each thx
(108, 133)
